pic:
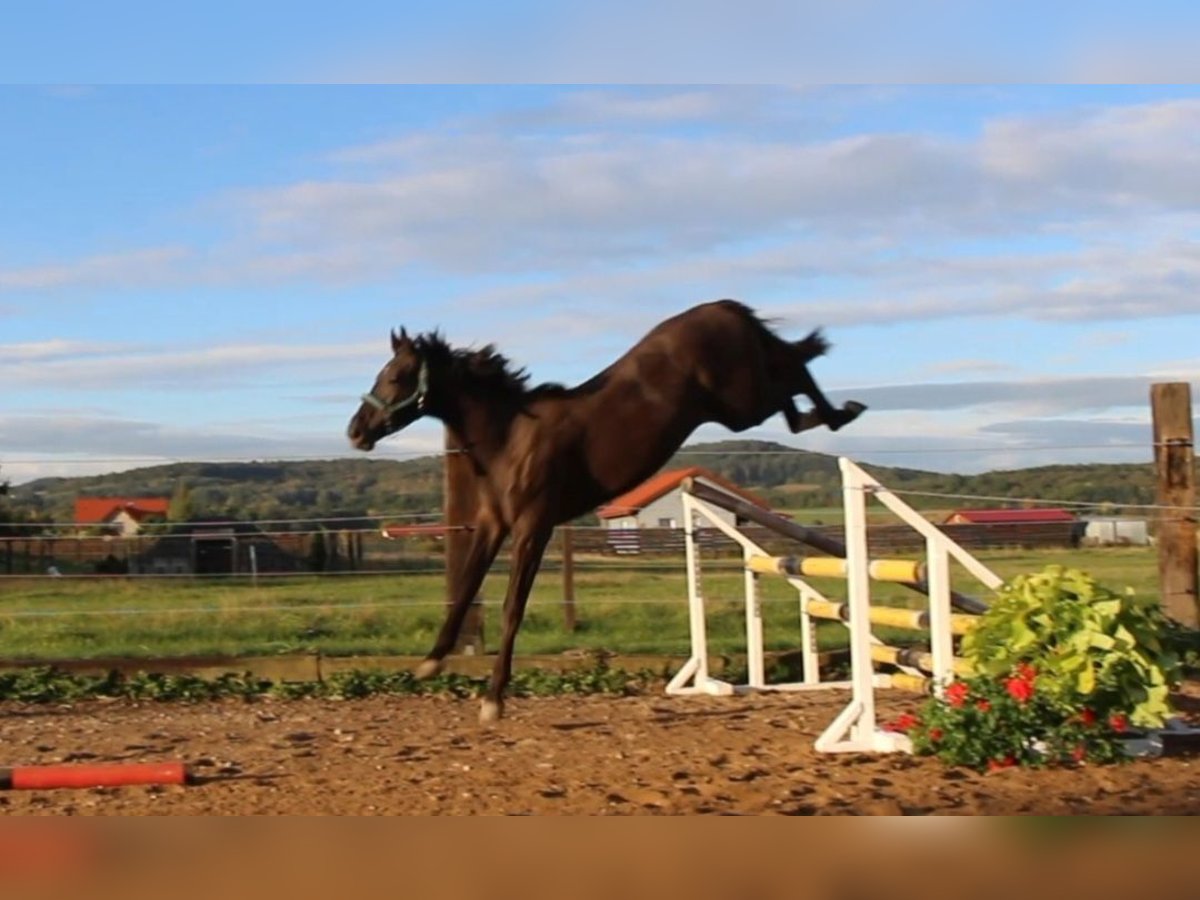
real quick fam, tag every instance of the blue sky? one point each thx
(210, 272)
(628, 41)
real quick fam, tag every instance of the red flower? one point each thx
(1079, 754)
(1019, 689)
(903, 722)
(956, 693)
(995, 765)
(1087, 716)
(936, 734)
(1118, 722)
(1026, 672)
(983, 705)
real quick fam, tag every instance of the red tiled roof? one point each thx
(1010, 516)
(93, 510)
(664, 482)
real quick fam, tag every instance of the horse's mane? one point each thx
(485, 366)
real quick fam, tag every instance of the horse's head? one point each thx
(398, 396)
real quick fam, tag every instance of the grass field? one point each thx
(625, 609)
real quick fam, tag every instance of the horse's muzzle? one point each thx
(359, 435)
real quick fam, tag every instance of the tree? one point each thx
(180, 507)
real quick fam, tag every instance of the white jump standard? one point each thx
(855, 729)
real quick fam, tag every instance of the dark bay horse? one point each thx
(548, 454)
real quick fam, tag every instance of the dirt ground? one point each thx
(647, 755)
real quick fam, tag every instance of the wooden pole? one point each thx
(1175, 467)
(460, 502)
(568, 570)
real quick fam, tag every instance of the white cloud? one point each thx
(1031, 397)
(1119, 157)
(952, 441)
(963, 366)
(136, 267)
(1069, 432)
(696, 206)
(606, 108)
(648, 210)
(116, 443)
(55, 348)
(61, 364)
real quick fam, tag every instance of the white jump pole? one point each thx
(755, 658)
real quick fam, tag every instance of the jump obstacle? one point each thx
(93, 775)
(855, 729)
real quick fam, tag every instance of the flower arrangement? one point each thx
(988, 723)
(1063, 668)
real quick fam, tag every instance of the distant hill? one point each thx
(785, 476)
(798, 478)
(257, 491)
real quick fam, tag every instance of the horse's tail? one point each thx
(813, 346)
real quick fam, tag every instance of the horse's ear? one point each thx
(397, 342)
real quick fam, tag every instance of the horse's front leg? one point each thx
(529, 543)
(485, 543)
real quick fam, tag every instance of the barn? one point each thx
(1009, 516)
(214, 548)
(1038, 526)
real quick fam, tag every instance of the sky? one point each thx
(614, 41)
(208, 272)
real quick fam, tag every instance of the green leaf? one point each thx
(1101, 641)
(1069, 662)
(1086, 682)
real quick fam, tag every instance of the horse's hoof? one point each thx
(850, 411)
(490, 712)
(428, 668)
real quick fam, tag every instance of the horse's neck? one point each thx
(479, 425)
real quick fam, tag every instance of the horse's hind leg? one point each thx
(798, 421)
(485, 543)
(527, 548)
(824, 412)
(793, 377)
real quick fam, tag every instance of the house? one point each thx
(125, 516)
(658, 502)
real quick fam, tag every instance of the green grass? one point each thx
(630, 610)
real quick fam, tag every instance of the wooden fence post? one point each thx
(460, 502)
(1175, 468)
(568, 571)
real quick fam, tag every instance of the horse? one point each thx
(547, 454)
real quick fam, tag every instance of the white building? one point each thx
(1108, 530)
(658, 502)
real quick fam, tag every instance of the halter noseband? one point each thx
(417, 396)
